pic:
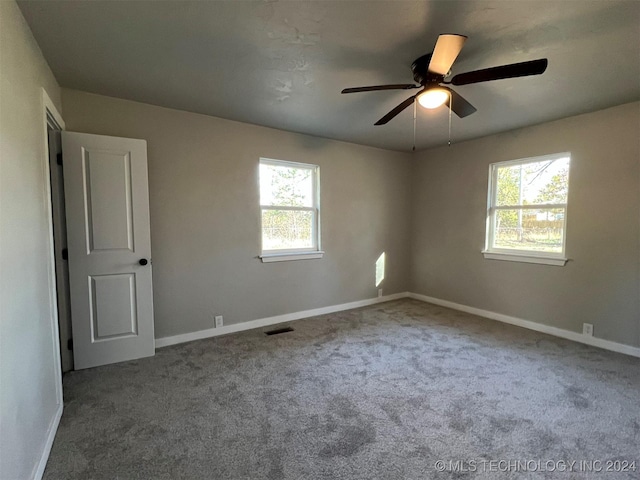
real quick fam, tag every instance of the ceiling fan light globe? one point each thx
(433, 98)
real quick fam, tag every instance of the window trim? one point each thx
(518, 255)
(281, 255)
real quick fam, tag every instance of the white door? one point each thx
(108, 237)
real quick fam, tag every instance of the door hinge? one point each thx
(70, 344)
(65, 254)
(59, 159)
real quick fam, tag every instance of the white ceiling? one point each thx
(283, 64)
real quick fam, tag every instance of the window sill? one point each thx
(526, 258)
(285, 257)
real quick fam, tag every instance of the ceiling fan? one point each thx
(432, 70)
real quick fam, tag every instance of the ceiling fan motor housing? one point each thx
(421, 74)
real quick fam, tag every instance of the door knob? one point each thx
(143, 261)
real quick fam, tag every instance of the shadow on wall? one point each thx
(314, 143)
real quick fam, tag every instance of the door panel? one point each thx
(113, 306)
(108, 200)
(107, 204)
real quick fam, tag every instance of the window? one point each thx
(527, 210)
(290, 210)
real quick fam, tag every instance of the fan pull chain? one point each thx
(450, 106)
(415, 108)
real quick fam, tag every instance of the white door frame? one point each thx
(51, 118)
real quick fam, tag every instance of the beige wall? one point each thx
(601, 282)
(27, 357)
(205, 216)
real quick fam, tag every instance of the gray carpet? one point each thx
(381, 392)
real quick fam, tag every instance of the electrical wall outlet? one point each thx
(219, 321)
(587, 329)
(379, 292)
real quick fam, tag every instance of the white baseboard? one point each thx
(51, 435)
(538, 327)
(265, 322)
(289, 317)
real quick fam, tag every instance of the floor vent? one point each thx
(278, 331)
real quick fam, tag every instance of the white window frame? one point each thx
(281, 255)
(526, 256)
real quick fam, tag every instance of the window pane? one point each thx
(533, 183)
(286, 186)
(540, 230)
(287, 229)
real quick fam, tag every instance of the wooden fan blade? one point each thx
(445, 53)
(397, 86)
(459, 105)
(523, 69)
(396, 110)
